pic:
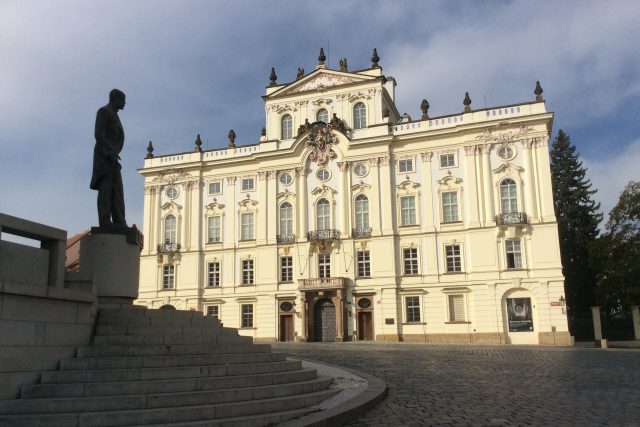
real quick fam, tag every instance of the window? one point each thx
(508, 196)
(359, 116)
(456, 308)
(214, 229)
(286, 269)
(247, 272)
(286, 219)
(172, 192)
(324, 265)
(323, 116)
(215, 187)
(286, 127)
(360, 170)
(410, 256)
(506, 153)
(213, 311)
(364, 264)
(514, 253)
(168, 276)
(362, 211)
(323, 217)
(447, 160)
(405, 165)
(246, 226)
(450, 206)
(412, 305)
(454, 260)
(323, 175)
(170, 229)
(247, 316)
(214, 274)
(286, 179)
(408, 210)
(247, 184)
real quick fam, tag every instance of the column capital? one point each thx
(426, 156)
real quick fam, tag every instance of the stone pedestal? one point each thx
(112, 255)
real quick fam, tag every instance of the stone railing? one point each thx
(357, 233)
(511, 218)
(323, 235)
(322, 283)
(169, 248)
(285, 238)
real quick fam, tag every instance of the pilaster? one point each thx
(488, 217)
(261, 215)
(473, 219)
(270, 205)
(302, 224)
(376, 208)
(427, 192)
(385, 186)
(529, 182)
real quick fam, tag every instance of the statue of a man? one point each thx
(106, 168)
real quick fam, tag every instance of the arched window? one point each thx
(170, 235)
(362, 211)
(286, 218)
(323, 219)
(287, 127)
(508, 196)
(323, 116)
(359, 116)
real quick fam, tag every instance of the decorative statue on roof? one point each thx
(424, 106)
(300, 73)
(338, 124)
(343, 65)
(106, 177)
(304, 127)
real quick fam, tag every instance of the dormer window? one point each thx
(323, 116)
(359, 116)
(287, 127)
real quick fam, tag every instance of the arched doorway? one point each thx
(324, 321)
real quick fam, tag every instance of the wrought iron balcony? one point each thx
(323, 235)
(169, 248)
(286, 238)
(322, 283)
(511, 218)
(358, 233)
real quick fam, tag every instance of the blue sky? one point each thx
(192, 67)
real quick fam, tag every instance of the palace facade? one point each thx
(349, 221)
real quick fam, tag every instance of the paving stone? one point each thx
(462, 385)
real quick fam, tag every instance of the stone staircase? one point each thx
(168, 368)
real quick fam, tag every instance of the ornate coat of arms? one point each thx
(321, 139)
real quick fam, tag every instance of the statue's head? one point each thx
(117, 98)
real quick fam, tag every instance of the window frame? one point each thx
(410, 257)
(212, 183)
(211, 219)
(246, 180)
(324, 266)
(248, 272)
(318, 115)
(452, 308)
(402, 166)
(359, 116)
(325, 217)
(217, 310)
(411, 309)
(361, 216)
(286, 129)
(174, 237)
(247, 231)
(451, 209)
(451, 156)
(456, 268)
(286, 269)
(517, 257)
(246, 316)
(287, 221)
(363, 264)
(511, 198)
(168, 276)
(412, 212)
(213, 274)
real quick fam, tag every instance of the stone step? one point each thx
(148, 374)
(158, 321)
(129, 340)
(270, 419)
(180, 414)
(162, 400)
(108, 313)
(164, 386)
(168, 361)
(168, 350)
(127, 329)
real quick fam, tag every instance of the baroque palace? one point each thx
(350, 221)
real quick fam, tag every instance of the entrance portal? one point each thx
(365, 326)
(324, 321)
(286, 327)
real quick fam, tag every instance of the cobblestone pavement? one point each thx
(463, 385)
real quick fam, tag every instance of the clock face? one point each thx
(323, 174)
(286, 179)
(172, 192)
(364, 303)
(360, 170)
(286, 306)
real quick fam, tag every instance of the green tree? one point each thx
(578, 219)
(616, 253)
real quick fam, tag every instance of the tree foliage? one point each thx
(616, 254)
(578, 219)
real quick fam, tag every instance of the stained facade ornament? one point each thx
(322, 82)
(321, 139)
(504, 137)
(171, 176)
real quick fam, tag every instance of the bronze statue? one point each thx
(107, 178)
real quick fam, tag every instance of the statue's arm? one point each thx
(103, 143)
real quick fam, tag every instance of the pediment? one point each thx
(321, 80)
(508, 169)
(324, 190)
(170, 206)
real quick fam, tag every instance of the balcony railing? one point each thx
(323, 235)
(286, 238)
(169, 247)
(358, 233)
(511, 218)
(322, 283)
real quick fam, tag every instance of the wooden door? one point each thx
(365, 326)
(286, 327)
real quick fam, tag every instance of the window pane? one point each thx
(514, 254)
(168, 276)
(286, 269)
(453, 258)
(509, 196)
(323, 221)
(246, 220)
(213, 310)
(364, 264)
(214, 274)
(407, 210)
(214, 229)
(286, 218)
(362, 211)
(247, 316)
(413, 309)
(170, 229)
(324, 265)
(410, 261)
(450, 206)
(287, 127)
(456, 308)
(247, 184)
(247, 272)
(323, 116)
(359, 116)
